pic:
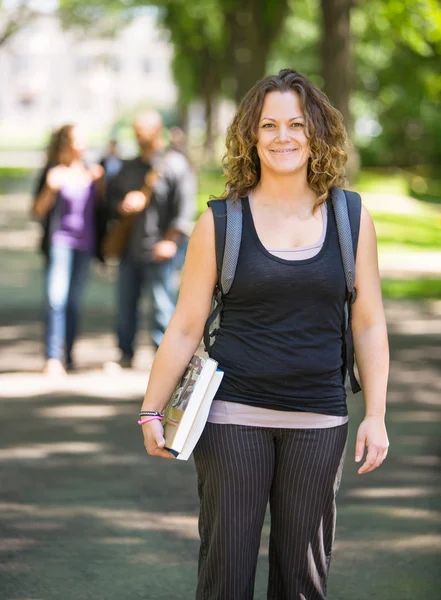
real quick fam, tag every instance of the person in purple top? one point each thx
(67, 199)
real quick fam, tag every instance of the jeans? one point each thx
(160, 281)
(66, 275)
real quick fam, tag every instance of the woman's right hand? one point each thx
(55, 178)
(154, 441)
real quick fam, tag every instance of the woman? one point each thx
(67, 200)
(278, 425)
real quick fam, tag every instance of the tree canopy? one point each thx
(378, 60)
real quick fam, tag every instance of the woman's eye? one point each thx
(267, 125)
(297, 124)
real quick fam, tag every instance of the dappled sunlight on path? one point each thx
(85, 514)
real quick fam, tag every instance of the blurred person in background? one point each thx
(67, 200)
(157, 192)
(178, 140)
(112, 161)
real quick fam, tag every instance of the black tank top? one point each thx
(280, 343)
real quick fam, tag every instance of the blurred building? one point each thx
(49, 76)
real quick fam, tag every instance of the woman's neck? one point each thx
(72, 162)
(282, 190)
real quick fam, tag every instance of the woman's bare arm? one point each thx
(371, 348)
(184, 332)
(46, 198)
(44, 201)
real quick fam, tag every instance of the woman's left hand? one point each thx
(373, 435)
(97, 172)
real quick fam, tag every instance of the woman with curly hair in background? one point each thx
(67, 201)
(277, 428)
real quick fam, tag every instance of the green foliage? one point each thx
(197, 35)
(425, 183)
(398, 81)
(297, 46)
(397, 74)
(397, 57)
(100, 18)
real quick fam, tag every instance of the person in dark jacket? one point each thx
(68, 201)
(277, 428)
(112, 161)
(157, 191)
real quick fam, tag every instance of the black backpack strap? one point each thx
(228, 234)
(233, 237)
(339, 204)
(219, 209)
(347, 210)
(353, 201)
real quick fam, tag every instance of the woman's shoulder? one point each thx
(205, 222)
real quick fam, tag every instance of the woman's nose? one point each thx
(283, 133)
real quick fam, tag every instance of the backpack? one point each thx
(228, 234)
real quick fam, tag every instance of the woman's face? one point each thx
(77, 141)
(282, 145)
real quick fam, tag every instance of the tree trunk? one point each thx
(209, 142)
(183, 117)
(248, 60)
(250, 32)
(337, 64)
(336, 54)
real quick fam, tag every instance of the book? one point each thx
(187, 410)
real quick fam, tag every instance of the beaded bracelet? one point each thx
(151, 413)
(148, 419)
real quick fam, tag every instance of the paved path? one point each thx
(85, 514)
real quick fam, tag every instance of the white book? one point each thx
(187, 411)
(201, 417)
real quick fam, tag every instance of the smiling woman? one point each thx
(282, 144)
(277, 428)
(286, 116)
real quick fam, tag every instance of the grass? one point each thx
(210, 182)
(422, 182)
(384, 181)
(15, 179)
(412, 288)
(408, 232)
(14, 172)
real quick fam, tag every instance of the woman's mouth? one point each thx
(287, 151)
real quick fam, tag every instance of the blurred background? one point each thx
(98, 63)
(78, 501)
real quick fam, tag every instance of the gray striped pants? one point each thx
(239, 469)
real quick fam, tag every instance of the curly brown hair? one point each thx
(60, 140)
(324, 126)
